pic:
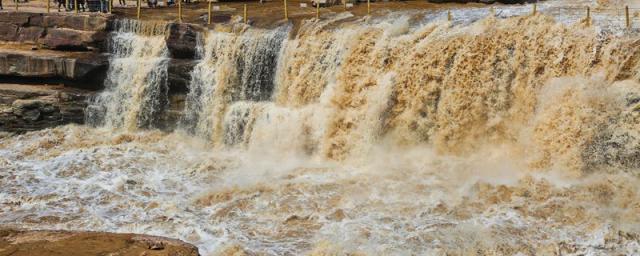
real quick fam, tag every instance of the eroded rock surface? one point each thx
(55, 31)
(182, 40)
(29, 107)
(67, 243)
(80, 66)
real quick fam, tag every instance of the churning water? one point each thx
(514, 136)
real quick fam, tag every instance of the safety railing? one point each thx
(107, 6)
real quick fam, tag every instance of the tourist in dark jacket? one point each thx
(61, 3)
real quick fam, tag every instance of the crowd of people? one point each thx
(84, 5)
(97, 5)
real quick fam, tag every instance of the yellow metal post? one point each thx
(16, 5)
(368, 7)
(449, 16)
(626, 13)
(317, 10)
(110, 5)
(245, 13)
(48, 6)
(139, 6)
(179, 10)
(75, 5)
(286, 12)
(535, 9)
(209, 18)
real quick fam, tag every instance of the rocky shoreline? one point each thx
(68, 243)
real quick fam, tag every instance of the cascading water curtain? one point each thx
(135, 94)
(233, 68)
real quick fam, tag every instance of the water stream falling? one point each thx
(233, 68)
(136, 84)
(377, 136)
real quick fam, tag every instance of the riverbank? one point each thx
(81, 243)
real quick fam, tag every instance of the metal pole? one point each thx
(75, 5)
(139, 6)
(110, 5)
(535, 9)
(179, 10)
(449, 16)
(48, 6)
(209, 18)
(317, 10)
(588, 16)
(286, 12)
(245, 13)
(16, 5)
(626, 13)
(368, 7)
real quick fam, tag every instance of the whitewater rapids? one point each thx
(514, 136)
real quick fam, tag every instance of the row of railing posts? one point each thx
(286, 11)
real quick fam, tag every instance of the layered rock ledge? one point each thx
(81, 69)
(68, 243)
(55, 31)
(34, 107)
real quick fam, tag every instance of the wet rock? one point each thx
(31, 115)
(179, 71)
(182, 40)
(156, 245)
(28, 107)
(59, 243)
(31, 110)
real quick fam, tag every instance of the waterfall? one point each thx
(394, 134)
(234, 67)
(336, 92)
(135, 94)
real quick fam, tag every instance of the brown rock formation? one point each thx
(55, 31)
(67, 243)
(182, 40)
(86, 68)
(30, 107)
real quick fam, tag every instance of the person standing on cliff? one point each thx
(1, 5)
(123, 2)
